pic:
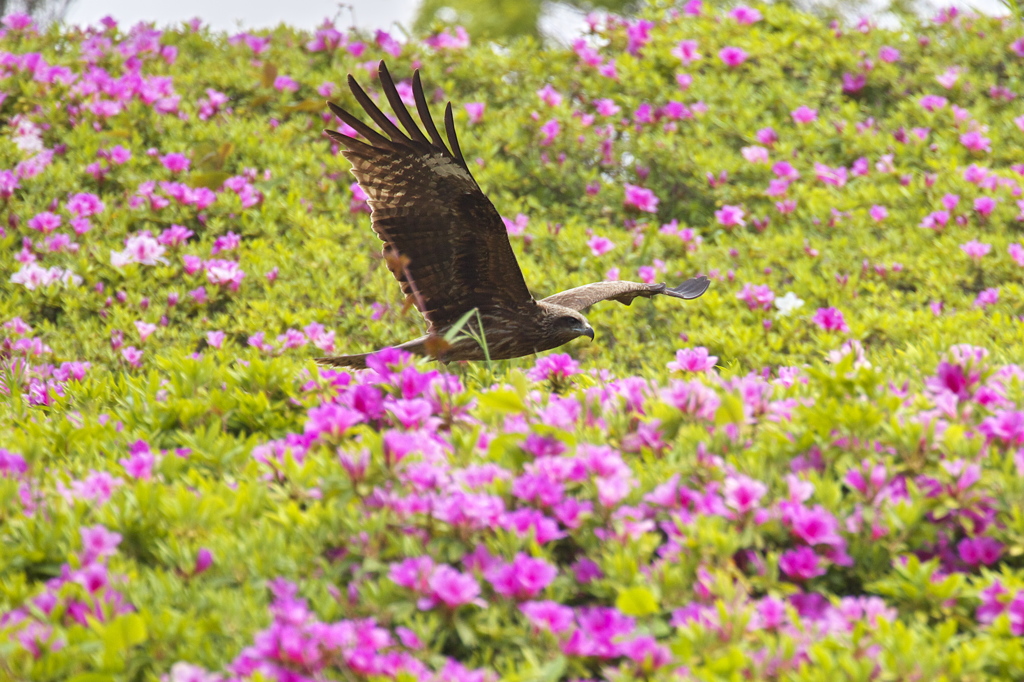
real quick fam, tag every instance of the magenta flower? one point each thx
(548, 615)
(888, 54)
(987, 297)
(225, 273)
(743, 493)
(45, 222)
(830, 319)
(742, 14)
(285, 84)
(757, 297)
(475, 110)
(878, 213)
(204, 559)
(984, 205)
(140, 463)
(175, 162)
(1016, 252)
(640, 198)
(755, 154)
(132, 355)
(452, 587)
(215, 339)
(730, 216)
(549, 131)
(686, 51)
(949, 77)
(804, 114)
(732, 56)
(524, 578)
(557, 366)
(980, 551)
(1016, 608)
(693, 360)
(976, 142)
(84, 204)
(801, 564)
(600, 245)
(549, 96)
(606, 107)
(98, 543)
(932, 102)
(976, 250)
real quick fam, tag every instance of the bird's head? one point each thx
(565, 324)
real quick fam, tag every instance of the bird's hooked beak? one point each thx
(589, 332)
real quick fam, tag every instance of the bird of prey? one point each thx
(448, 247)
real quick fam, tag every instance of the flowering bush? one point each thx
(812, 472)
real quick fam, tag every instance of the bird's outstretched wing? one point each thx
(443, 239)
(587, 295)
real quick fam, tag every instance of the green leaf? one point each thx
(502, 400)
(637, 601)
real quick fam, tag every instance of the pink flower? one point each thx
(521, 579)
(600, 245)
(878, 213)
(755, 154)
(1016, 252)
(175, 162)
(132, 355)
(976, 250)
(215, 339)
(980, 550)
(693, 360)
(800, 564)
(145, 329)
(767, 136)
(888, 54)
(557, 366)
(140, 464)
(475, 110)
(987, 297)
(548, 615)
(224, 272)
(932, 102)
(949, 78)
(452, 587)
(732, 56)
(830, 319)
(640, 198)
(139, 248)
(984, 205)
(686, 51)
(84, 204)
(549, 132)
(549, 96)
(45, 222)
(743, 493)
(606, 107)
(804, 114)
(1016, 607)
(730, 216)
(204, 559)
(98, 543)
(745, 15)
(757, 297)
(285, 84)
(830, 176)
(976, 142)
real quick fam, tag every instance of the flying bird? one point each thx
(447, 246)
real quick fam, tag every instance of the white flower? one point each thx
(788, 303)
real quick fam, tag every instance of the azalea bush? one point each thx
(815, 471)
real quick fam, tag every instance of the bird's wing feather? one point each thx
(443, 239)
(587, 295)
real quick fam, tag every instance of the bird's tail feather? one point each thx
(358, 360)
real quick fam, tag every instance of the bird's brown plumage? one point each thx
(448, 247)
